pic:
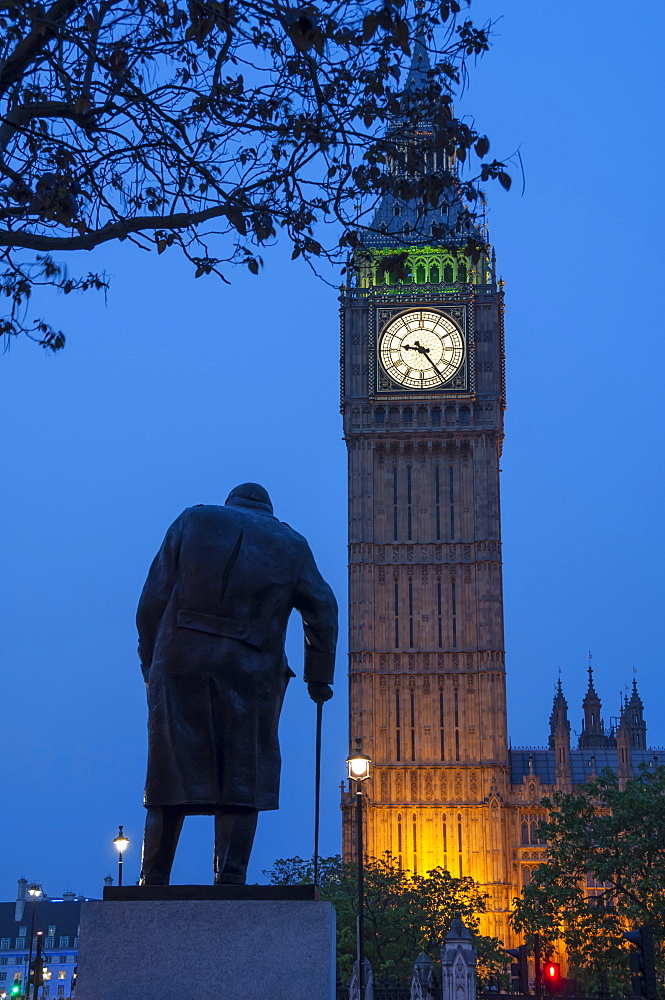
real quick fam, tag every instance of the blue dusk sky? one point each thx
(179, 389)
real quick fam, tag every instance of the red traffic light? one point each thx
(552, 972)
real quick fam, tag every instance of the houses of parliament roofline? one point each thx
(621, 746)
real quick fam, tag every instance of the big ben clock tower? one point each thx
(423, 401)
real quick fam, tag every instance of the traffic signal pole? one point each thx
(538, 970)
(519, 970)
(642, 963)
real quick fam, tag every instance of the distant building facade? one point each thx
(58, 920)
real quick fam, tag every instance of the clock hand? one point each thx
(421, 350)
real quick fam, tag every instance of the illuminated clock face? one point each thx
(421, 349)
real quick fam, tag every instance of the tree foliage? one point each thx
(604, 872)
(404, 913)
(209, 126)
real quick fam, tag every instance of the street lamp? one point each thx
(121, 844)
(358, 765)
(34, 891)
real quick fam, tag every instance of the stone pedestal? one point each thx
(211, 948)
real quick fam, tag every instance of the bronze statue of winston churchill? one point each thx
(212, 622)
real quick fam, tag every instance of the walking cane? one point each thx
(317, 789)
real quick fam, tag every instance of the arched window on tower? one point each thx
(380, 415)
(459, 843)
(525, 832)
(462, 274)
(399, 840)
(464, 414)
(415, 844)
(434, 274)
(448, 274)
(436, 416)
(407, 415)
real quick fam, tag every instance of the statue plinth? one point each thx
(236, 942)
(268, 893)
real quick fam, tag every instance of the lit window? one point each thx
(62, 974)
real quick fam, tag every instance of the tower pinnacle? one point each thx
(593, 726)
(559, 724)
(423, 204)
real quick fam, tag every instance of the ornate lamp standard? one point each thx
(121, 844)
(358, 765)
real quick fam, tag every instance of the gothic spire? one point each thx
(417, 150)
(634, 715)
(559, 724)
(635, 700)
(593, 727)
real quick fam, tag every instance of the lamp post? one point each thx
(358, 764)
(121, 844)
(34, 891)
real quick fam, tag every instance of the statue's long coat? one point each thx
(212, 621)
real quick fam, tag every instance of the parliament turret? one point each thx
(560, 738)
(624, 746)
(637, 727)
(593, 727)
